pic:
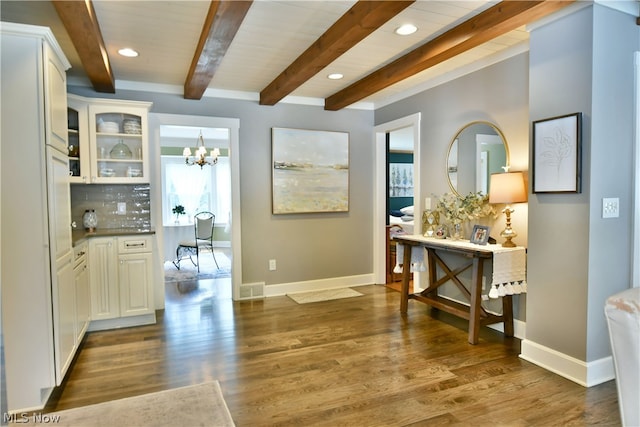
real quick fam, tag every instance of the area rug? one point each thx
(208, 269)
(196, 405)
(325, 295)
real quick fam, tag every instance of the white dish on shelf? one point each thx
(134, 173)
(132, 126)
(108, 127)
(107, 172)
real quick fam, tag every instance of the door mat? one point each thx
(324, 295)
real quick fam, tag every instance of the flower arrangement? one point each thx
(457, 209)
(177, 211)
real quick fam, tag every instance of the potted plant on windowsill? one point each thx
(177, 211)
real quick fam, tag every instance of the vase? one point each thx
(90, 220)
(120, 151)
(430, 221)
(456, 231)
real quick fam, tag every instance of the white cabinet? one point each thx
(121, 281)
(36, 237)
(78, 135)
(135, 276)
(111, 141)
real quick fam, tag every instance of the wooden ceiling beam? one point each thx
(220, 27)
(495, 21)
(81, 24)
(357, 23)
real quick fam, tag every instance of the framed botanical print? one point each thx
(556, 154)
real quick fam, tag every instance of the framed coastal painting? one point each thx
(556, 154)
(310, 171)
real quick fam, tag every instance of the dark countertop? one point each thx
(79, 236)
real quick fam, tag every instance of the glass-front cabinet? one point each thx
(111, 139)
(78, 131)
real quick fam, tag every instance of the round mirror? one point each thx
(476, 151)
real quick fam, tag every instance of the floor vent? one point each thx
(252, 290)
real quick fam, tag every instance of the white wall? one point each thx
(582, 62)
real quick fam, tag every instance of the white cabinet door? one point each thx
(103, 276)
(64, 319)
(135, 284)
(56, 100)
(119, 141)
(59, 200)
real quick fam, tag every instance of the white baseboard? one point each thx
(318, 285)
(587, 374)
(122, 322)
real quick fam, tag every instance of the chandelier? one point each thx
(200, 156)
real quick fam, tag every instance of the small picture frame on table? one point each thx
(480, 235)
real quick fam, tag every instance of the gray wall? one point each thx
(498, 94)
(582, 63)
(306, 247)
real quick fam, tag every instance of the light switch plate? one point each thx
(122, 208)
(610, 207)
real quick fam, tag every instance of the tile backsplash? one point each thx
(104, 199)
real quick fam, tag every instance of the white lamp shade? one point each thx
(186, 152)
(507, 188)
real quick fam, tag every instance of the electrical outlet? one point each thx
(611, 207)
(122, 208)
(272, 265)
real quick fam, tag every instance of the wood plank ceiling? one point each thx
(357, 26)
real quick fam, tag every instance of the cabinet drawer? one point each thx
(134, 244)
(80, 254)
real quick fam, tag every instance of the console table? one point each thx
(477, 254)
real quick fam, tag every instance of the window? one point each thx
(206, 189)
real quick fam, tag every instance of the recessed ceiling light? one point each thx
(335, 76)
(406, 29)
(128, 52)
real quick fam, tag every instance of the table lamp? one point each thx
(507, 188)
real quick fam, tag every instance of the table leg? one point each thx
(431, 262)
(507, 315)
(406, 276)
(476, 300)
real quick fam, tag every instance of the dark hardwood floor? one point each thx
(354, 362)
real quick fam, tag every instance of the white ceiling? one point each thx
(273, 34)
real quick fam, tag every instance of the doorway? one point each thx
(170, 134)
(188, 189)
(381, 189)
